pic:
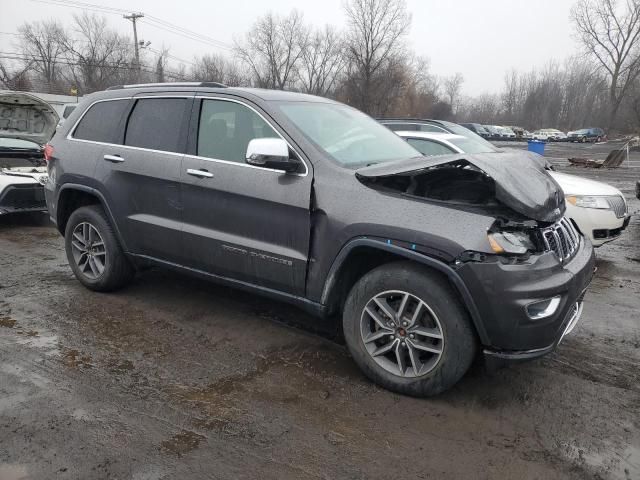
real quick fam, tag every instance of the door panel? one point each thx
(142, 183)
(244, 222)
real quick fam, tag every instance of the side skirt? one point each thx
(305, 304)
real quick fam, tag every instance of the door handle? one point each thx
(199, 173)
(114, 158)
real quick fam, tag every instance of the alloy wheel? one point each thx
(402, 334)
(89, 251)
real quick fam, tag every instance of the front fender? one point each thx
(409, 254)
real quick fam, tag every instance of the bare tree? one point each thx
(99, 57)
(15, 80)
(43, 46)
(376, 29)
(273, 49)
(217, 68)
(611, 35)
(453, 88)
(322, 62)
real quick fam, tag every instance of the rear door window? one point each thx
(101, 122)
(226, 128)
(158, 124)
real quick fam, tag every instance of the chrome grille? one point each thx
(618, 205)
(561, 238)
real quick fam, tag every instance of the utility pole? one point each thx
(134, 17)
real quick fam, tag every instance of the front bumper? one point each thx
(22, 198)
(502, 291)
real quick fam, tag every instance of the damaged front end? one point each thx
(529, 279)
(514, 188)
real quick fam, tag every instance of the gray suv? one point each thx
(428, 261)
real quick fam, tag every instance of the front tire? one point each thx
(93, 251)
(408, 331)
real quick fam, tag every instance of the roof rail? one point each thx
(170, 84)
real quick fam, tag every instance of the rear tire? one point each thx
(406, 367)
(93, 251)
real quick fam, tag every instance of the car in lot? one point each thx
(549, 135)
(428, 125)
(477, 129)
(584, 135)
(428, 261)
(598, 210)
(507, 133)
(26, 124)
(493, 130)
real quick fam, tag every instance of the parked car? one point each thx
(26, 123)
(67, 110)
(557, 135)
(521, 133)
(427, 125)
(427, 260)
(493, 130)
(507, 133)
(543, 135)
(584, 135)
(477, 129)
(598, 210)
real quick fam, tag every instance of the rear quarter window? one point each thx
(100, 123)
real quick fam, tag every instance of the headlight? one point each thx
(510, 242)
(588, 201)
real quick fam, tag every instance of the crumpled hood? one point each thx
(26, 117)
(521, 179)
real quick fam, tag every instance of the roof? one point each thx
(262, 93)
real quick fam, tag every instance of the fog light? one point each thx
(543, 308)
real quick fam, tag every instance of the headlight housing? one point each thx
(589, 201)
(517, 243)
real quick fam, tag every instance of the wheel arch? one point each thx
(73, 196)
(362, 255)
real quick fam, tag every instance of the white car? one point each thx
(26, 124)
(549, 134)
(506, 133)
(597, 209)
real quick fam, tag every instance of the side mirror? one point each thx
(271, 153)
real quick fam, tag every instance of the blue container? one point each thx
(536, 146)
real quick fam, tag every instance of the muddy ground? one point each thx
(176, 378)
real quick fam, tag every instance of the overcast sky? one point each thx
(480, 39)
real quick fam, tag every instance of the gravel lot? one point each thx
(175, 378)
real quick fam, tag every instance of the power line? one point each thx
(83, 6)
(150, 20)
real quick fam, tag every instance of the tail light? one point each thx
(48, 152)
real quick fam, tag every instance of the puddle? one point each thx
(25, 376)
(48, 343)
(13, 472)
(10, 401)
(182, 443)
(618, 466)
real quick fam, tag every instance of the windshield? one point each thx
(348, 136)
(17, 144)
(468, 145)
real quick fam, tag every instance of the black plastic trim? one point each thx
(451, 274)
